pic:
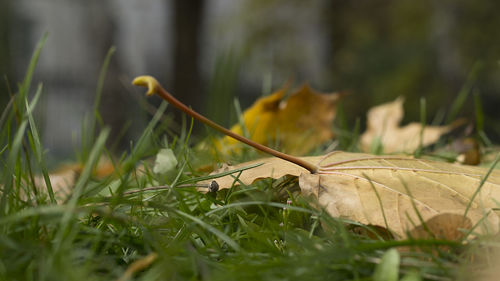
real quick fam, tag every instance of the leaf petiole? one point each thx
(155, 88)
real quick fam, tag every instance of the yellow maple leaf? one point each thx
(297, 124)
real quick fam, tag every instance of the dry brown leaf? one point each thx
(298, 124)
(62, 182)
(484, 265)
(64, 178)
(347, 185)
(383, 126)
(470, 152)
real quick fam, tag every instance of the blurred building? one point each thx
(207, 52)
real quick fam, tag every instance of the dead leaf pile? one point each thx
(402, 194)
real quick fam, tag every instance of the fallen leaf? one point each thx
(470, 152)
(444, 226)
(271, 168)
(297, 124)
(62, 181)
(64, 178)
(483, 265)
(383, 127)
(388, 268)
(165, 161)
(406, 191)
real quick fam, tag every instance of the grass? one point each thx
(255, 232)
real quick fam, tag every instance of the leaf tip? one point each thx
(147, 81)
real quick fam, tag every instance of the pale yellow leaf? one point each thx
(383, 126)
(165, 161)
(410, 191)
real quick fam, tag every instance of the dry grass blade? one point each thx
(138, 265)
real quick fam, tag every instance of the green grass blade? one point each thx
(222, 86)
(13, 157)
(6, 111)
(80, 185)
(423, 122)
(222, 236)
(25, 86)
(461, 97)
(479, 112)
(91, 122)
(142, 146)
(209, 177)
(379, 199)
(38, 149)
(354, 143)
(241, 122)
(483, 180)
(388, 268)
(100, 85)
(23, 215)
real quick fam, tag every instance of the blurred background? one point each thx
(207, 53)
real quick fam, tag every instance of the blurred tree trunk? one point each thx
(444, 30)
(4, 51)
(116, 110)
(188, 16)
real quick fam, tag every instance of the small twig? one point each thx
(212, 187)
(155, 88)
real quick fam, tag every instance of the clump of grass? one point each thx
(104, 232)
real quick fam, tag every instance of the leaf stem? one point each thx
(155, 88)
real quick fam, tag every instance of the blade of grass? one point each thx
(137, 152)
(209, 177)
(13, 157)
(470, 231)
(6, 111)
(381, 245)
(139, 149)
(461, 97)
(100, 85)
(483, 180)
(89, 128)
(341, 121)
(479, 114)
(25, 86)
(415, 209)
(423, 122)
(223, 85)
(222, 236)
(79, 187)
(379, 202)
(241, 122)
(37, 146)
(19, 111)
(353, 146)
(23, 215)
